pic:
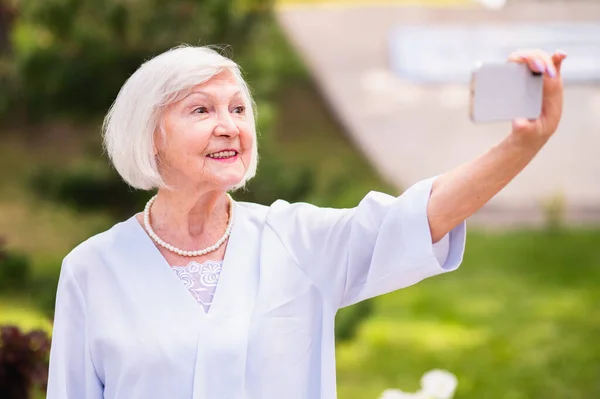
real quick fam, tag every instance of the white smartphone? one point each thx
(505, 91)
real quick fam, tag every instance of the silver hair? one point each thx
(134, 117)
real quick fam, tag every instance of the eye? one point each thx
(200, 110)
(239, 110)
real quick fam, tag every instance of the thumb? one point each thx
(521, 124)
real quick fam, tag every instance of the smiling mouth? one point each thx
(223, 155)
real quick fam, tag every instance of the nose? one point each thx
(226, 126)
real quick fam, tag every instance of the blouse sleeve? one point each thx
(381, 245)
(71, 374)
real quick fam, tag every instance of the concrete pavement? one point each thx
(410, 131)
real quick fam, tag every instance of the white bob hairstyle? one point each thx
(133, 119)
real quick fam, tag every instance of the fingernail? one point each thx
(551, 71)
(562, 52)
(538, 64)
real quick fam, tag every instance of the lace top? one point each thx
(201, 280)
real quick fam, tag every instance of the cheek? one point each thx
(191, 138)
(247, 138)
(183, 147)
(247, 143)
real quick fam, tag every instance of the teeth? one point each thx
(222, 154)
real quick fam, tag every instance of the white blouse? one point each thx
(126, 327)
(201, 278)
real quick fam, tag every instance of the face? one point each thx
(208, 136)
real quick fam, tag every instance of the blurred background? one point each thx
(352, 96)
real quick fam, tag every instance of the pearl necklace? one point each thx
(181, 252)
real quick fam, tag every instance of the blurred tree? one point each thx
(74, 55)
(7, 15)
(148, 25)
(15, 270)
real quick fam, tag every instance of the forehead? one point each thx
(223, 84)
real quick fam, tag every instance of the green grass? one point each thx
(520, 319)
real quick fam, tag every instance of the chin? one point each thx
(228, 184)
(225, 178)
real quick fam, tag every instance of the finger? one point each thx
(549, 65)
(561, 53)
(543, 63)
(557, 58)
(531, 58)
(537, 64)
(520, 57)
(537, 60)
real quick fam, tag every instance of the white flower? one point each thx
(438, 384)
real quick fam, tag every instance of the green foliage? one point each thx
(15, 271)
(274, 180)
(349, 319)
(16, 278)
(6, 85)
(43, 290)
(88, 186)
(74, 55)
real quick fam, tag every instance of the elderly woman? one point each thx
(200, 296)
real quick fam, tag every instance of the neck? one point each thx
(185, 216)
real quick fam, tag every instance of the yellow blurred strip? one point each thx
(24, 317)
(288, 4)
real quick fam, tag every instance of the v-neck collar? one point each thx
(237, 285)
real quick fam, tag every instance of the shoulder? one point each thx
(252, 210)
(281, 209)
(94, 247)
(287, 218)
(291, 219)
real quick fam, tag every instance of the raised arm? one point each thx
(458, 194)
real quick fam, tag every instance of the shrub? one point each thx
(89, 186)
(349, 319)
(23, 362)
